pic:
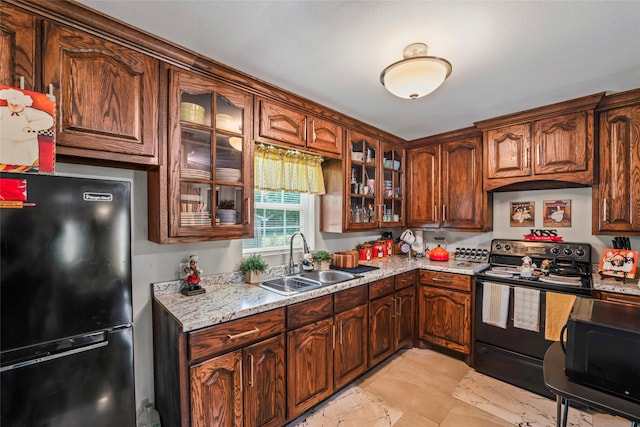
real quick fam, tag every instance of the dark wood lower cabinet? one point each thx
(216, 391)
(267, 369)
(264, 377)
(309, 366)
(405, 318)
(444, 310)
(391, 316)
(381, 319)
(350, 355)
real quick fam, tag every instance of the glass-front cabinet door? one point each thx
(210, 155)
(364, 210)
(392, 185)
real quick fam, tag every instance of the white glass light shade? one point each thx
(415, 76)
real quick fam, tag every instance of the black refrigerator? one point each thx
(66, 340)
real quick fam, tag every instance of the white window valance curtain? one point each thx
(289, 170)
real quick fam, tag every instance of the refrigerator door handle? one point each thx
(53, 356)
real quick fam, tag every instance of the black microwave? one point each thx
(603, 346)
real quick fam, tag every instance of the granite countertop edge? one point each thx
(228, 298)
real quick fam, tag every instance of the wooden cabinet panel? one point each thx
(107, 97)
(405, 318)
(423, 183)
(404, 280)
(562, 144)
(381, 321)
(227, 336)
(17, 47)
(445, 318)
(350, 298)
(381, 287)
(350, 356)
(508, 151)
(216, 392)
(616, 196)
(324, 136)
(309, 366)
(550, 143)
(445, 183)
(462, 195)
(446, 280)
(264, 383)
(282, 124)
(618, 298)
(306, 312)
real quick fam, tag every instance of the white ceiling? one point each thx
(507, 56)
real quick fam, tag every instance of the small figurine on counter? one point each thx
(527, 267)
(193, 273)
(544, 267)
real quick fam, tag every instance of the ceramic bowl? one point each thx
(190, 112)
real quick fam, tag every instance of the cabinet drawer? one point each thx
(460, 282)
(381, 288)
(404, 280)
(349, 298)
(309, 311)
(224, 337)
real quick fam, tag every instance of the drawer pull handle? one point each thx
(243, 334)
(436, 279)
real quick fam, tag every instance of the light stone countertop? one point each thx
(609, 284)
(227, 297)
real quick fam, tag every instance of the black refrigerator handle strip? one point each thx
(53, 356)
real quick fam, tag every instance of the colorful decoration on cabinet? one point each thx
(27, 131)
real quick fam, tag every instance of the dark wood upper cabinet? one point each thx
(209, 159)
(526, 150)
(18, 43)
(107, 97)
(444, 179)
(281, 124)
(616, 193)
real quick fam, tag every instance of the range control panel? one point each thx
(471, 255)
(576, 251)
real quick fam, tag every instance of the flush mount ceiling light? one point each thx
(417, 74)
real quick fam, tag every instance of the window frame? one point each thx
(307, 219)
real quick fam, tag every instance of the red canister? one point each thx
(389, 244)
(379, 249)
(366, 250)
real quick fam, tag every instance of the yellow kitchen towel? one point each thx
(526, 308)
(495, 304)
(556, 314)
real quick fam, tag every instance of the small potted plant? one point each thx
(253, 268)
(226, 212)
(323, 259)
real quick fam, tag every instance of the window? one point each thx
(277, 215)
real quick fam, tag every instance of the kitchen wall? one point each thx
(153, 262)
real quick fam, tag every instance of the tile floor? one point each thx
(423, 388)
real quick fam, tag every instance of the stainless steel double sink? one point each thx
(301, 282)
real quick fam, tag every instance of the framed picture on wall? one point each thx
(522, 214)
(556, 213)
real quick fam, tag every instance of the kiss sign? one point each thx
(543, 236)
